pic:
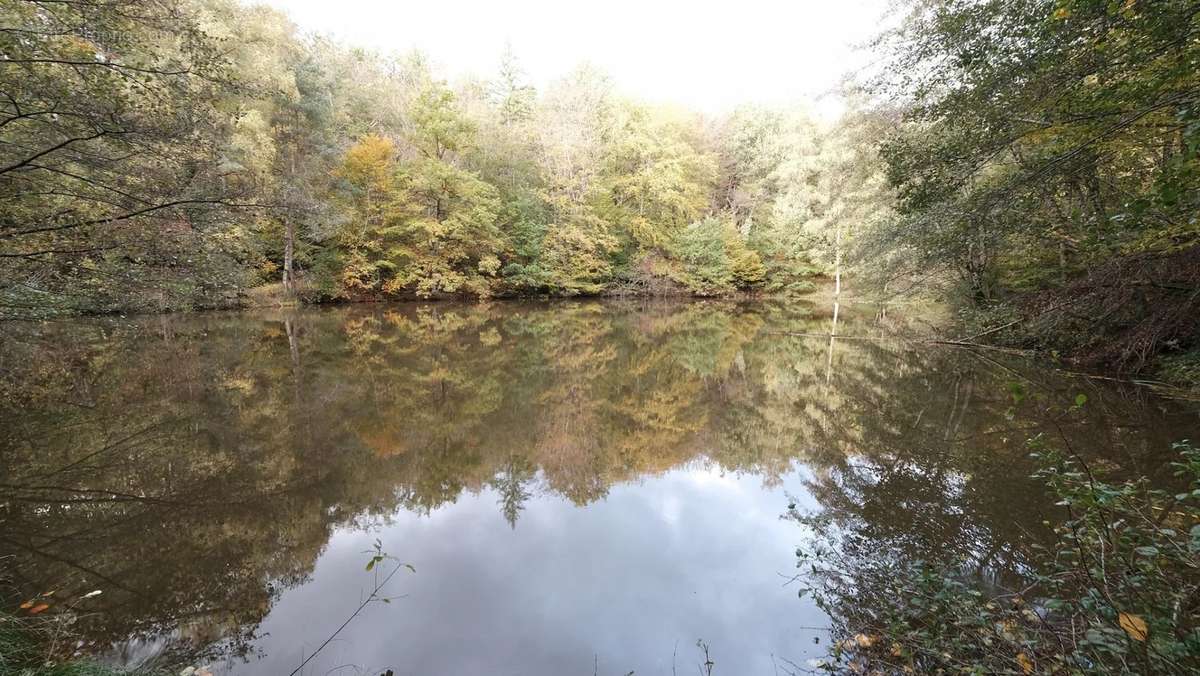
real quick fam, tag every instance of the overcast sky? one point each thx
(706, 55)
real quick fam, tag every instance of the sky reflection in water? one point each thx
(623, 584)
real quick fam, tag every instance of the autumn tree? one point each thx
(421, 224)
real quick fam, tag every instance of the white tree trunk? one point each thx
(289, 246)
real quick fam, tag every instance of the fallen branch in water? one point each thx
(981, 346)
(931, 341)
(833, 335)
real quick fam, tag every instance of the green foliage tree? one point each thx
(715, 259)
(446, 227)
(656, 179)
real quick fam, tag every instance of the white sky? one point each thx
(705, 54)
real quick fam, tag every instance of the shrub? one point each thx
(1119, 592)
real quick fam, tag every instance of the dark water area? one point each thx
(581, 487)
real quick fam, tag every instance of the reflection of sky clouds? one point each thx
(624, 582)
(671, 509)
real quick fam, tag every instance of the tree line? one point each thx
(175, 153)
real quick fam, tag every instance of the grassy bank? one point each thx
(29, 647)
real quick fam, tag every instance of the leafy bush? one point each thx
(1119, 592)
(746, 267)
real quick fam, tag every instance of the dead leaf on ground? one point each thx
(1134, 625)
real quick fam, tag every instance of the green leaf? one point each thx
(1080, 400)
(1017, 390)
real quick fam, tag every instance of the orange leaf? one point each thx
(27, 605)
(38, 608)
(1025, 662)
(1134, 626)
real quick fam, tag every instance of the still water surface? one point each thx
(582, 488)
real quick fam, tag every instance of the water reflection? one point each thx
(581, 485)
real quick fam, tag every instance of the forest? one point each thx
(1032, 162)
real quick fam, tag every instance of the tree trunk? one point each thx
(289, 234)
(837, 261)
(978, 266)
(289, 246)
(832, 338)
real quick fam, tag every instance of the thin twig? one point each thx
(370, 597)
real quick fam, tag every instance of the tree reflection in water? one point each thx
(195, 466)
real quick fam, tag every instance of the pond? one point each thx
(579, 487)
